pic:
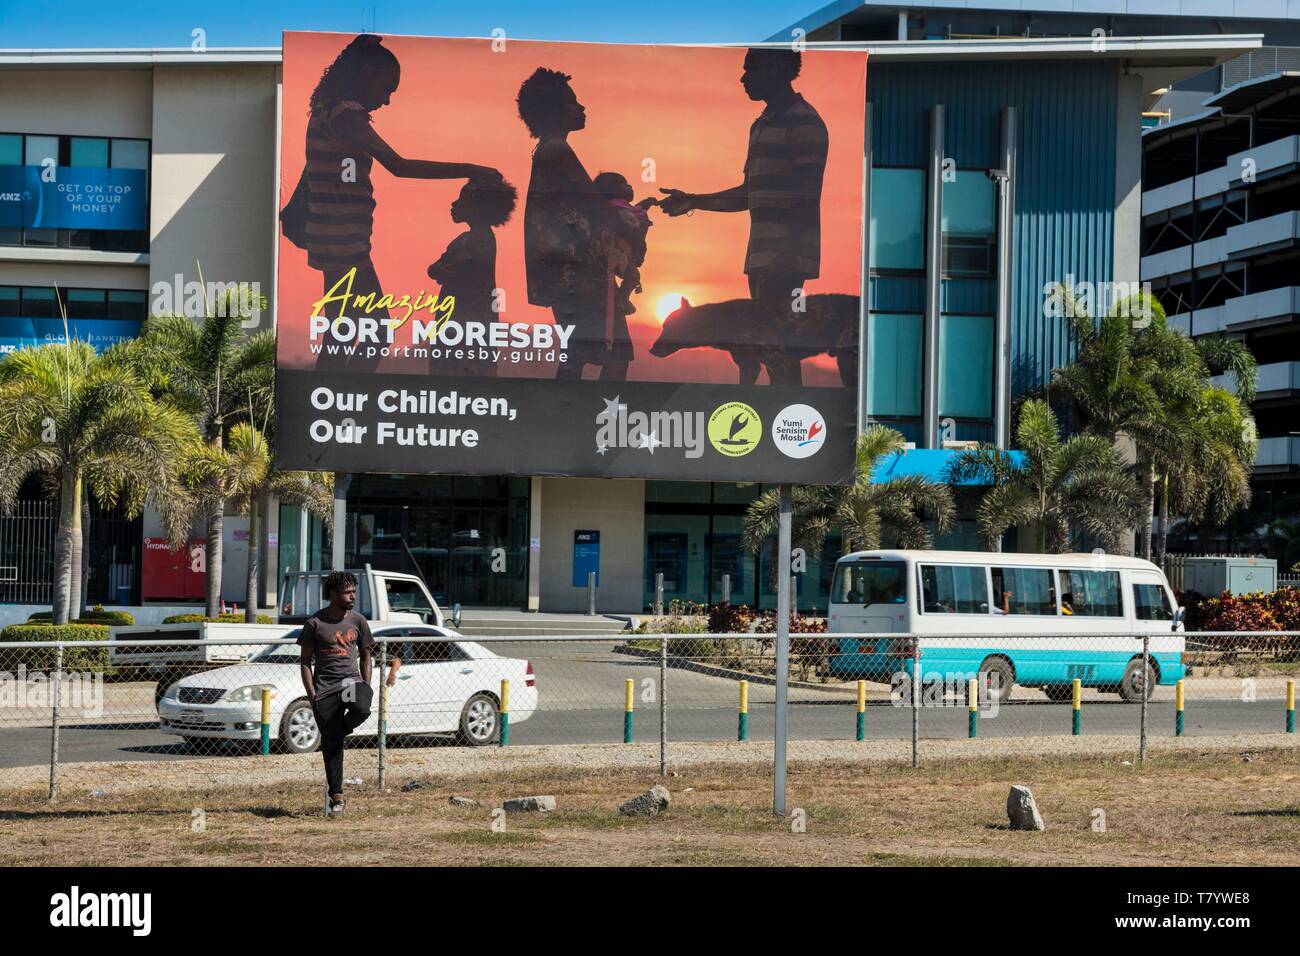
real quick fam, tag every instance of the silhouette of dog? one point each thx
(828, 324)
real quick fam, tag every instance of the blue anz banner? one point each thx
(78, 197)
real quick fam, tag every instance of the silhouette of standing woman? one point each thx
(342, 145)
(564, 219)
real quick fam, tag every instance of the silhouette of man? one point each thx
(782, 189)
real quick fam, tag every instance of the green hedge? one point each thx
(42, 658)
(96, 616)
(219, 619)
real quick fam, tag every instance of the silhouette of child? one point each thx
(626, 248)
(466, 271)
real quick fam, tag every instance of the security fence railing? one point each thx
(177, 703)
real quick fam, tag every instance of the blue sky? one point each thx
(168, 23)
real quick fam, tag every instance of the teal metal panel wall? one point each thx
(1065, 180)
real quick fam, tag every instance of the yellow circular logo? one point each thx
(735, 429)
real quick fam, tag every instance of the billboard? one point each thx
(512, 257)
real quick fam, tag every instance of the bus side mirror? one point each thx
(455, 615)
(1179, 613)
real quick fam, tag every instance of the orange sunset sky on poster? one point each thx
(682, 108)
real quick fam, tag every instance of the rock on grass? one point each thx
(649, 804)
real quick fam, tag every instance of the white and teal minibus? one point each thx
(1038, 620)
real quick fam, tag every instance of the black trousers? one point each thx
(337, 715)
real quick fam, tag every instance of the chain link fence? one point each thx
(165, 709)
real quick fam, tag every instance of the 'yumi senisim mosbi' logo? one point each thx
(735, 429)
(798, 431)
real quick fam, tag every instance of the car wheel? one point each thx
(1130, 688)
(298, 731)
(996, 679)
(1060, 693)
(480, 721)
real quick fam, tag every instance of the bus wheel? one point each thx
(1130, 688)
(996, 678)
(1060, 693)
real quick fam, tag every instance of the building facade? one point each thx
(996, 168)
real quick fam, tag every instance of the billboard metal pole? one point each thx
(782, 651)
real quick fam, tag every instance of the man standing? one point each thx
(335, 663)
(782, 190)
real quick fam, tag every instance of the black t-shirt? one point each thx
(335, 647)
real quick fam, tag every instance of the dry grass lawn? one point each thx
(1180, 808)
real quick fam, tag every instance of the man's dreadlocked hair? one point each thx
(336, 581)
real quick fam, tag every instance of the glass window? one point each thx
(85, 303)
(969, 224)
(894, 357)
(126, 305)
(966, 366)
(130, 154)
(1023, 591)
(1151, 603)
(870, 582)
(88, 151)
(1090, 594)
(897, 219)
(40, 149)
(954, 589)
(11, 149)
(433, 652)
(406, 596)
(40, 303)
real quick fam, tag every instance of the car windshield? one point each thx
(281, 652)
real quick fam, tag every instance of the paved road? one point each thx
(582, 702)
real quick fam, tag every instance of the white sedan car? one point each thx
(443, 686)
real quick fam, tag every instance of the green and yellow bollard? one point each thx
(972, 706)
(1076, 703)
(266, 720)
(1290, 707)
(742, 722)
(1179, 698)
(505, 713)
(627, 710)
(862, 710)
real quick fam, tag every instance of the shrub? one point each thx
(42, 658)
(96, 615)
(219, 619)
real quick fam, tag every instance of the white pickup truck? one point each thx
(386, 597)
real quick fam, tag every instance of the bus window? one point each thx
(954, 589)
(1090, 594)
(1023, 591)
(870, 582)
(1151, 603)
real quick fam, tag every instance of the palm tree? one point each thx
(87, 422)
(210, 369)
(253, 478)
(864, 512)
(1136, 378)
(1059, 486)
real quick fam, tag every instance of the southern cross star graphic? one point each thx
(601, 449)
(650, 441)
(611, 407)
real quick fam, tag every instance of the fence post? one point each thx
(266, 721)
(862, 710)
(1146, 695)
(629, 690)
(54, 722)
(783, 584)
(973, 704)
(591, 593)
(504, 737)
(916, 701)
(1290, 706)
(1076, 704)
(383, 712)
(1179, 699)
(659, 593)
(742, 725)
(663, 706)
